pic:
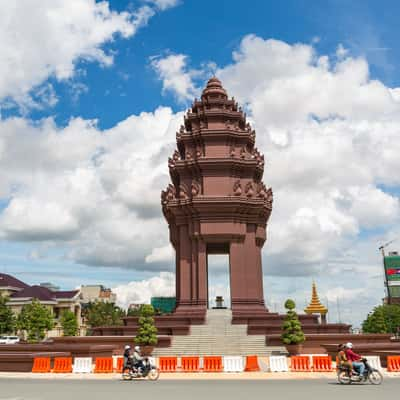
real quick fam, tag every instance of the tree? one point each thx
(292, 332)
(100, 313)
(383, 319)
(7, 319)
(36, 319)
(147, 331)
(69, 323)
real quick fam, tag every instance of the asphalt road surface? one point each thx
(320, 389)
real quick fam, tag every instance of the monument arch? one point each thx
(217, 203)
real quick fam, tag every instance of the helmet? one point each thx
(127, 347)
(349, 345)
(137, 348)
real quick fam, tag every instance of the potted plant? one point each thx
(147, 331)
(292, 336)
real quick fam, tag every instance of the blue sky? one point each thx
(87, 121)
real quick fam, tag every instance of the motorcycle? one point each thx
(149, 370)
(370, 374)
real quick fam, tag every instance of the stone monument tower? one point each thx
(217, 204)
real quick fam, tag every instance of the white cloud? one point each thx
(176, 77)
(140, 292)
(46, 39)
(330, 137)
(95, 194)
(161, 254)
(164, 4)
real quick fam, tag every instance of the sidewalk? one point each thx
(191, 376)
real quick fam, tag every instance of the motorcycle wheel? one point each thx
(344, 378)
(375, 377)
(153, 374)
(126, 376)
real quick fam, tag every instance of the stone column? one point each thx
(185, 266)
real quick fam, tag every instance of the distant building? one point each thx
(57, 301)
(91, 293)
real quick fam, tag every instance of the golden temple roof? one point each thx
(315, 306)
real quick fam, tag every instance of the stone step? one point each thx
(219, 337)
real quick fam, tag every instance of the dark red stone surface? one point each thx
(217, 204)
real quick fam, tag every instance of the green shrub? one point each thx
(147, 331)
(292, 332)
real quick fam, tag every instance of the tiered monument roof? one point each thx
(315, 306)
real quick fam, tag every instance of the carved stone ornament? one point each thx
(232, 151)
(243, 153)
(270, 196)
(183, 192)
(168, 194)
(188, 155)
(262, 191)
(237, 188)
(175, 155)
(195, 188)
(198, 152)
(249, 190)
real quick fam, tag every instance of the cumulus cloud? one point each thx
(94, 193)
(140, 292)
(47, 39)
(175, 76)
(330, 136)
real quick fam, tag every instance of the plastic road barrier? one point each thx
(252, 364)
(322, 363)
(167, 364)
(190, 364)
(41, 364)
(104, 365)
(300, 363)
(278, 364)
(212, 364)
(62, 364)
(374, 361)
(82, 365)
(120, 364)
(233, 364)
(393, 363)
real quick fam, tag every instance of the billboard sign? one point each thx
(392, 268)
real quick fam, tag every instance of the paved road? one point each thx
(321, 389)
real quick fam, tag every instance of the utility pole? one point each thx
(338, 310)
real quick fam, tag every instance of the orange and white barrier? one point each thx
(374, 362)
(62, 364)
(252, 364)
(278, 364)
(82, 365)
(190, 364)
(104, 365)
(167, 364)
(300, 364)
(41, 364)
(233, 364)
(393, 363)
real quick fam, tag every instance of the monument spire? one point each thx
(217, 203)
(315, 306)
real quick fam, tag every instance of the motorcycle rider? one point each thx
(342, 359)
(138, 359)
(127, 357)
(355, 359)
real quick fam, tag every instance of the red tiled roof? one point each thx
(65, 294)
(8, 280)
(35, 292)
